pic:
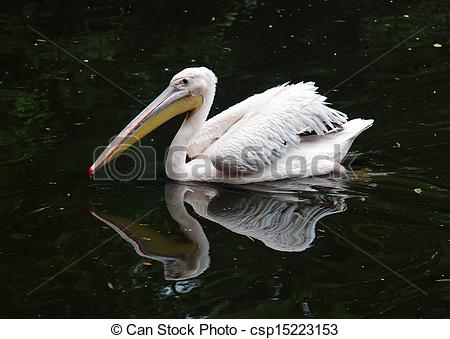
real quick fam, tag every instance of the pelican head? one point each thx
(186, 93)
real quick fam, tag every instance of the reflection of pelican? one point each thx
(282, 222)
(181, 260)
(259, 139)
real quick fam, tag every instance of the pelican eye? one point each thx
(185, 81)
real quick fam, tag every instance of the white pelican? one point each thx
(259, 139)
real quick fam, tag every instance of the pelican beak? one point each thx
(171, 102)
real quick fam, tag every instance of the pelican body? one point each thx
(285, 132)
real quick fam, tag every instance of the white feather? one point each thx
(250, 135)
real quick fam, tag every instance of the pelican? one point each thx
(285, 132)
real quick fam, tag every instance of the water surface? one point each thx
(374, 246)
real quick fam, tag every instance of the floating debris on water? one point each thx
(37, 210)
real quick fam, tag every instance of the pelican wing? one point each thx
(250, 135)
(217, 126)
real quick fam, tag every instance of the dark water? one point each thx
(320, 248)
